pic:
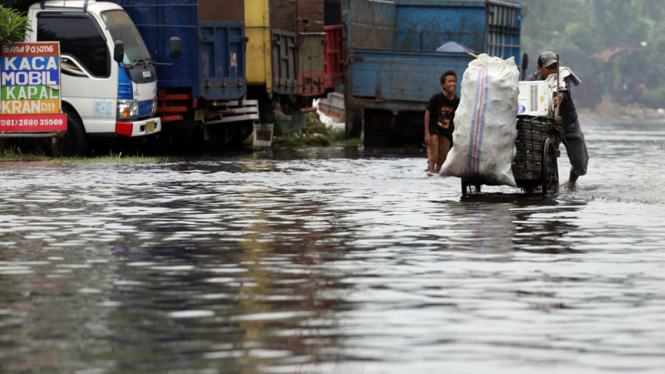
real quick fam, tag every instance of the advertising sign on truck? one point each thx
(30, 88)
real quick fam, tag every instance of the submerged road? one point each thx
(333, 260)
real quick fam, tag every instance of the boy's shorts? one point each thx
(438, 149)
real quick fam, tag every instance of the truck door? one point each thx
(88, 80)
(221, 61)
(284, 68)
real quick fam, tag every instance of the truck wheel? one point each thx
(75, 140)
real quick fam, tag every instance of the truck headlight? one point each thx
(154, 107)
(128, 109)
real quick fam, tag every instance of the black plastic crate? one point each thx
(529, 143)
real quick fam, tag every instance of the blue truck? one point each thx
(202, 96)
(393, 65)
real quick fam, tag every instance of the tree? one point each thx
(14, 25)
(575, 29)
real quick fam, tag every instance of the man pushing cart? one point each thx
(508, 132)
(550, 71)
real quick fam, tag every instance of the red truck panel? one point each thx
(334, 47)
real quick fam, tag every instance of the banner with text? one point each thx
(30, 87)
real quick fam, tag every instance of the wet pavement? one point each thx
(333, 260)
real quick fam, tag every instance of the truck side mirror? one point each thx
(244, 41)
(525, 64)
(175, 47)
(119, 51)
(525, 61)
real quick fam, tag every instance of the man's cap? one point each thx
(547, 58)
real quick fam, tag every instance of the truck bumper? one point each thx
(139, 128)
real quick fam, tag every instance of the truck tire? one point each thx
(75, 140)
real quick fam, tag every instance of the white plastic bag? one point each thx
(485, 122)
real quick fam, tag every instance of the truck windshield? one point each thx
(122, 28)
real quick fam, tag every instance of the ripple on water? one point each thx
(191, 314)
(330, 261)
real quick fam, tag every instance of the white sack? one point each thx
(485, 122)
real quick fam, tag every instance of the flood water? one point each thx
(334, 260)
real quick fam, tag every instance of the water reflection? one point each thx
(532, 223)
(243, 295)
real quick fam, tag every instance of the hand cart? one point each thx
(535, 163)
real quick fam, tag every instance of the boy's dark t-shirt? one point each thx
(442, 113)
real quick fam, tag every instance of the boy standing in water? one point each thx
(439, 124)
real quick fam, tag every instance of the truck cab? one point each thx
(108, 79)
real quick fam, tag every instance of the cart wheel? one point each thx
(550, 175)
(467, 188)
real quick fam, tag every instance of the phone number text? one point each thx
(32, 122)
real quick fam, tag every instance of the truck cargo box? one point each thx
(311, 58)
(225, 11)
(371, 24)
(332, 12)
(310, 16)
(311, 52)
(271, 50)
(334, 47)
(393, 67)
(487, 26)
(399, 80)
(492, 27)
(212, 63)
(391, 88)
(283, 14)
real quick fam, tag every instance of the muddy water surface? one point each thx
(333, 260)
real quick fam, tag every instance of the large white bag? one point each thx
(485, 122)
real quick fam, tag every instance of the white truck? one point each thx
(108, 79)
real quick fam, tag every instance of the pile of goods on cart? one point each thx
(505, 130)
